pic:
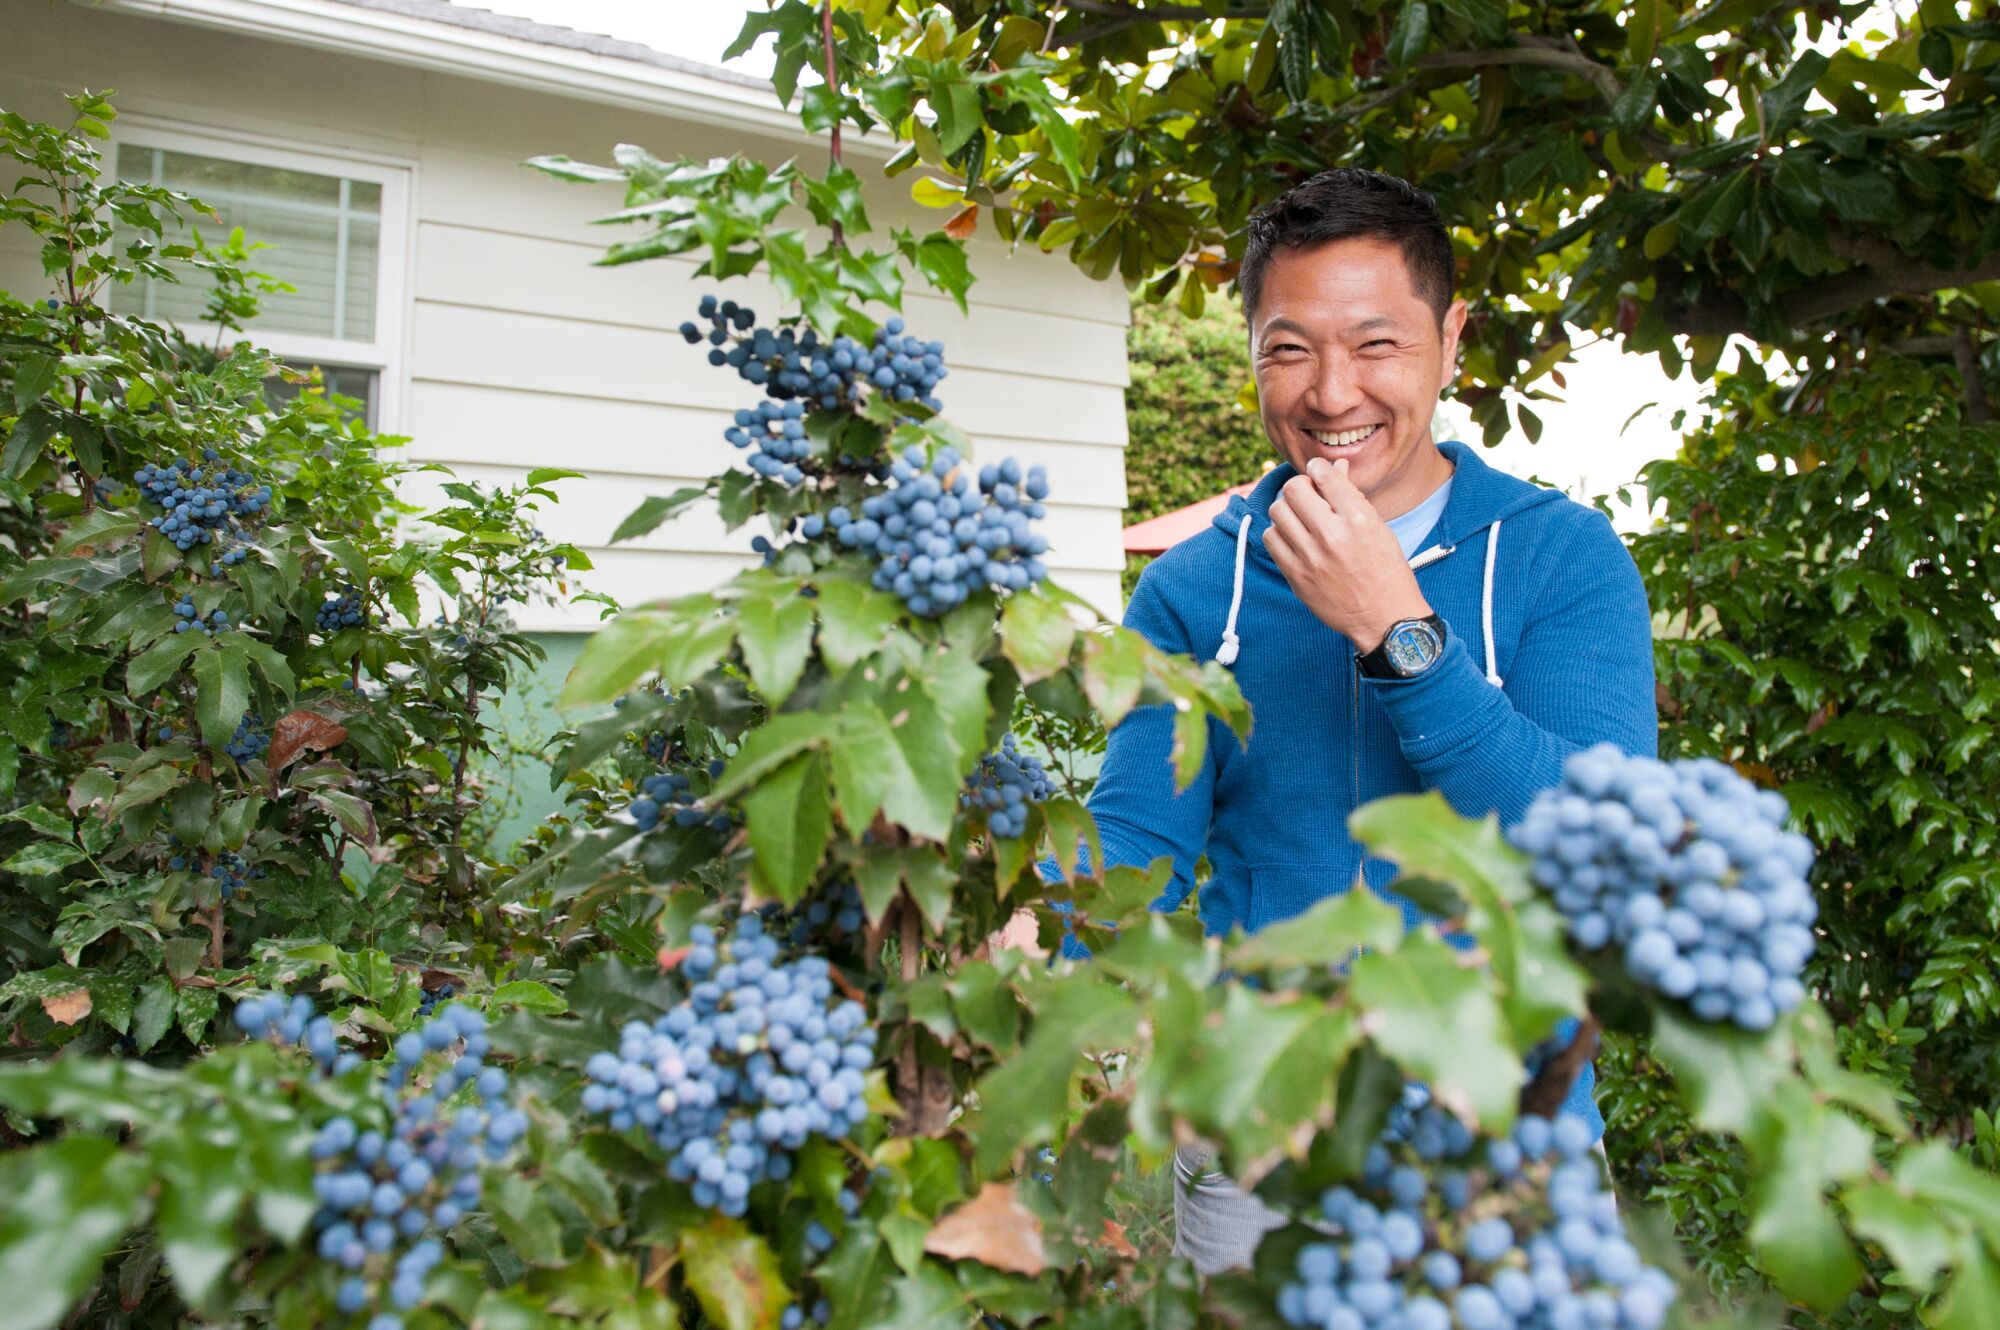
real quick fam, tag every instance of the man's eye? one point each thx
(1379, 341)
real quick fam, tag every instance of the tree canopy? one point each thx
(1663, 173)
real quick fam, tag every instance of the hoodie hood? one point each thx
(1480, 496)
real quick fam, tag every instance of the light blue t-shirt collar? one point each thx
(1412, 527)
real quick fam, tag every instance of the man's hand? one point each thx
(1340, 557)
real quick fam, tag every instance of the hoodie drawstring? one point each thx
(1486, 603)
(1226, 653)
(1231, 643)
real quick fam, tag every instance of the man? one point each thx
(1400, 616)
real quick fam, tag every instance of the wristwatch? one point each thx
(1408, 649)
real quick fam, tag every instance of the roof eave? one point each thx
(469, 53)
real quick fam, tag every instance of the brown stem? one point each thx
(1976, 408)
(832, 86)
(1544, 1095)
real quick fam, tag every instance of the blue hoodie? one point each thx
(1548, 650)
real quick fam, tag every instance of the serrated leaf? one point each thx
(1035, 634)
(734, 1275)
(529, 996)
(657, 510)
(1726, 1074)
(775, 636)
(1441, 1022)
(68, 1203)
(790, 823)
(201, 1192)
(42, 857)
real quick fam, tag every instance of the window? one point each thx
(332, 228)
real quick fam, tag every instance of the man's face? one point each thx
(1349, 362)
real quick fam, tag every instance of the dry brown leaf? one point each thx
(298, 731)
(963, 223)
(993, 1228)
(1114, 1238)
(68, 1008)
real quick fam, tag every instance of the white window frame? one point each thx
(387, 354)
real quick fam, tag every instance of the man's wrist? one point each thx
(1374, 635)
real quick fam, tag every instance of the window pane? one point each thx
(321, 235)
(341, 380)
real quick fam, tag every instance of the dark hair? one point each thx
(1347, 202)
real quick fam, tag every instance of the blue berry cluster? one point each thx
(1005, 784)
(1442, 1234)
(201, 503)
(655, 746)
(433, 997)
(794, 1317)
(800, 373)
(672, 790)
(936, 542)
(1688, 869)
(837, 908)
(249, 739)
(760, 1055)
(228, 868)
(295, 1022)
(187, 618)
(382, 1192)
(345, 610)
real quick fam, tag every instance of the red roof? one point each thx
(1157, 535)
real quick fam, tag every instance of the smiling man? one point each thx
(1400, 616)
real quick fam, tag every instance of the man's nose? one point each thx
(1336, 388)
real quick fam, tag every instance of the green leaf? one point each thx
(522, 1214)
(24, 444)
(530, 996)
(1069, 823)
(656, 511)
(542, 475)
(34, 375)
(154, 1014)
(1785, 102)
(1968, 1304)
(734, 1275)
(1409, 36)
(201, 1193)
(1915, 1238)
(68, 1203)
(770, 746)
(1025, 1099)
(157, 663)
(1265, 1068)
(790, 823)
(1519, 929)
(896, 769)
(941, 260)
(1715, 208)
(1936, 1174)
(854, 618)
(775, 636)
(222, 694)
(42, 857)
(681, 643)
(1328, 935)
(1035, 634)
(1726, 1074)
(1440, 1021)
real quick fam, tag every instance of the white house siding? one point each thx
(520, 353)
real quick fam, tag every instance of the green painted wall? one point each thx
(528, 717)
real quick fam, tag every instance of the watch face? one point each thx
(1411, 647)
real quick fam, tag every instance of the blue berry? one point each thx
(1688, 870)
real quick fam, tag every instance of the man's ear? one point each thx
(1454, 324)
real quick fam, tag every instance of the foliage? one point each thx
(1190, 434)
(1666, 172)
(1823, 558)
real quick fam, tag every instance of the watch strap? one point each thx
(1376, 665)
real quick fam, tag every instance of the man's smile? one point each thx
(1349, 438)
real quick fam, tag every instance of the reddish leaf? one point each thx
(68, 1008)
(993, 1228)
(963, 223)
(298, 731)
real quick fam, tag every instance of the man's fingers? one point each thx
(1330, 482)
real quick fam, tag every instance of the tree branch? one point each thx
(1880, 270)
(1122, 16)
(1976, 409)
(1544, 1095)
(1548, 57)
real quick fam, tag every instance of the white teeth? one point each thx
(1344, 439)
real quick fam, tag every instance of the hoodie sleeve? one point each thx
(1138, 815)
(1581, 674)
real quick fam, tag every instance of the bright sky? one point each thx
(1616, 414)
